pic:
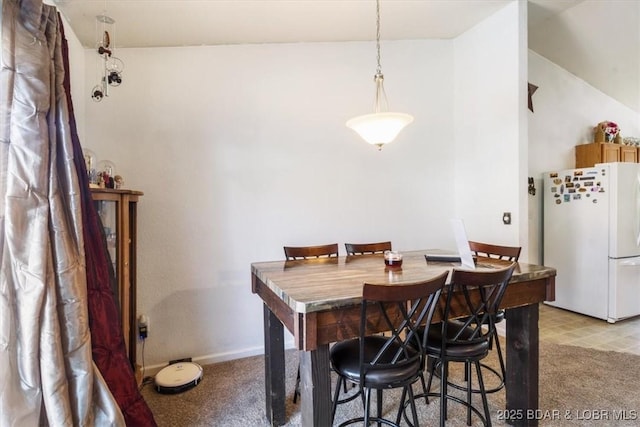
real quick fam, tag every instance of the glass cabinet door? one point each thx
(117, 209)
(108, 211)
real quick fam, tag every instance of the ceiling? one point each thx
(167, 23)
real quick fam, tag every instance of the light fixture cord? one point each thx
(379, 68)
(381, 97)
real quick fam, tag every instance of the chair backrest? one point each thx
(367, 248)
(306, 252)
(509, 253)
(400, 310)
(479, 292)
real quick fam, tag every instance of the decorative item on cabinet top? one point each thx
(631, 140)
(607, 131)
(107, 174)
(101, 174)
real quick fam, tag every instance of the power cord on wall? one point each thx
(145, 380)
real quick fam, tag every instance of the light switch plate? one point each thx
(506, 218)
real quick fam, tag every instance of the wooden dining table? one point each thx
(318, 301)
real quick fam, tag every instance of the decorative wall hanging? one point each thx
(532, 186)
(110, 67)
(531, 90)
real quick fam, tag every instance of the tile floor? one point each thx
(566, 327)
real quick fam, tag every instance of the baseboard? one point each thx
(152, 370)
(232, 355)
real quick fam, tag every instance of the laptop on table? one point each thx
(464, 256)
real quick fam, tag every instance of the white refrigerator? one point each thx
(591, 236)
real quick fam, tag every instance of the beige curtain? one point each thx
(47, 376)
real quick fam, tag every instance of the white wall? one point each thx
(243, 149)
(565, 111)
(490, 127)
(611, 17)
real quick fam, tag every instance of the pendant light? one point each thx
(382, 126)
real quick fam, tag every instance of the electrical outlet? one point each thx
(143, 327)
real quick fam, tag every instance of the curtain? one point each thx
(62, 356)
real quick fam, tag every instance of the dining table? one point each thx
(318, 301)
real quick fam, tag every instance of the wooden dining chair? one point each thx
(508, 253)
(306, 252)
(367, 248)
(293, 253)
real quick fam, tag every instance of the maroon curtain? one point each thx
(107, 341)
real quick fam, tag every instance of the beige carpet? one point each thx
(578, 387)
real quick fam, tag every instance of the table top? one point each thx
(325, 283)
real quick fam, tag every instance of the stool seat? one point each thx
(345, 359)
(456, 351)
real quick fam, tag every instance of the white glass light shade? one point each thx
(379, 128)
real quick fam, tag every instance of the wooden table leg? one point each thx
(274, 368)
(523, 348)
(315, 387)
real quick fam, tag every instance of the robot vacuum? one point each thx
(178, 377)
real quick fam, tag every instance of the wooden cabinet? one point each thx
(587, 155)
(629, 153)
(118, 211)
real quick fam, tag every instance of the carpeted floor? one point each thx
(578, 387)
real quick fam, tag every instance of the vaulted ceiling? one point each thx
(599, 41)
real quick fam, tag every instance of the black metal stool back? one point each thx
(478, 293)
(395, 360)
(507, 253)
